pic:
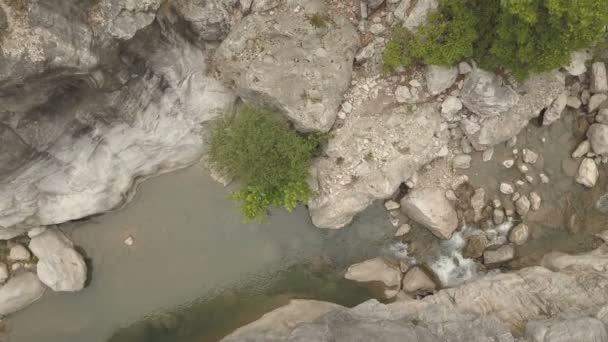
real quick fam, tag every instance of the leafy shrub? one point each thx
(519, 35)
(271, 161)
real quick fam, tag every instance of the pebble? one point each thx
(502, 254)
(129, 241)
(466, 146)
(391, 205)
(487, 154)
(498, 216)
(587, 173)
(496, 203)
(573, 102)
(36, 231)
(515, 151)
(19, 253)
(464, 68)
(512, 142)
(403, 229)
(506, 188)
(519, 234)
(508, 163)
(415, 83)
(16, 266)
(347, 107)
(530, 179)
(462, 161)
(535, 201)
(523, 168)
(412, 181)
(544, 178)
(520, 183)
(403, 94)
(3, 272)
(509, 212)
(515, 196)
(530, 156)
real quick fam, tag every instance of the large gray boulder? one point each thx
(430, 208)
(370, 156)
(208, 20)
(503, 111)
(598, 137)
(59, 266)
(376, 272)
(19, 292)
(290, 65)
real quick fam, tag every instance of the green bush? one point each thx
(522, 36)
(271, 161)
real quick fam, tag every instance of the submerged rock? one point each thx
(376, 272)
(19, 292)
(290, 65)
(432, 209)
(59, 266)
(369, 157)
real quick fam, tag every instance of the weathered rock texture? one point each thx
(291, 65)
(93, 102)
(370, 156)
(568, 302)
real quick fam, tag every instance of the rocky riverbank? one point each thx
(115, 91)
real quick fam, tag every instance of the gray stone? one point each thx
(587, 173)
(582, 149)
(414, 13)
(430, 208)
(209, 20)
(374, 4)
(522, 205)
(4, 274)
(476, 245)
(451, 105)
(554, 112)
(498, 216)
(487, 155)
(535, 201)
(377, 28)
(293, 67)
(599, 80)
(19, 253)
(519, 234)
(529, 156)
(602, 116)
(403, 95)
(59, 266)
(502, 254)
(403, 230)
(484, 94)
(506, 188)
(400, 139)
(574, 102)
(416, 280)
(439, 78)
(596, 101)
(36, 231)
(580, 329)
(376, 271)
(464, 68)
(578, 62)
(598, 137)
(508, 163)
(461, 161)
(19, 292)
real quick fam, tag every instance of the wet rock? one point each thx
(554, 112)
(535, 201)
(401, 141)
(529, 156)
(391, 205)
(519, 234)
(414, 13)
(599, 81)
(487, 155)
(522, 205)
(461, 161)
(430, 208)
(578, 62)
(582, 149)
(19, 292)
(293, 67)
(376, 271)
(4, 274)
(574, 102)
(439, 78)
(596, 101)
(403, 95)
(451, 105)
(598, 137)
(506, 188)
(466, 146)
(587, 173)
(19, 253)
(416, 280)
(476, 245)
(566, 329)
(498, 216)
(59, 266)
(502, 254)
(129, 240)
(523, 168)
(403, 230)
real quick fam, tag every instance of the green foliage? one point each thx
(270, 160)
(522, 36)
(318, 20)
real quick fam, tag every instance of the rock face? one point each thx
(567, 303)
(75, 136)
(209, 20)
(290, 65)
(19, 292)
(376, 272)
(59, 266)
(370, 156)
(502, 111)
(430, 208)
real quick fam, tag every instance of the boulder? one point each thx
(19, 292)
(495, 256)
(580, 329)
(595, 102)
(578, 62)
(599, 80)
(378, 148)
(59, 266)
(430, 208)
(416, 280)
(598, 137)
(414, 13)
(290, 65)
(554, 112)
(476, 245)
(439, 78)
(587, 173)
(374, 272)
(522, 205)
(19, 253)
(208, 20)
(502, 112)
(582, 149)
(451, 105)
(519, 234)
